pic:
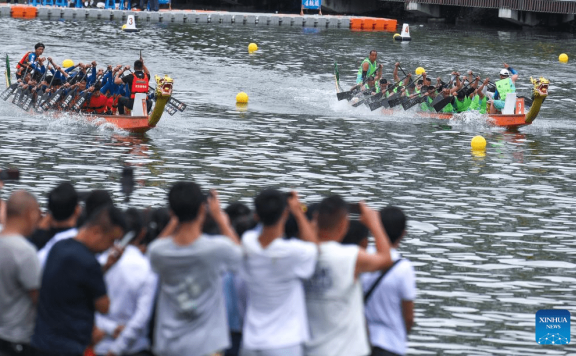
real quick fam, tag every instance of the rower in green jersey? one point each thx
(505, 86)
(372, 86)
(479, 99)
(464, 96)
(368, 67)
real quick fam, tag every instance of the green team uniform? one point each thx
(376, 88)
(464, 105)
(427, 105)
(478, 105)
(448, 109)
(504, 87)
(372, 67)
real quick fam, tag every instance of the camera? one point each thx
(354, 208)
(127, 182)
(11, 174)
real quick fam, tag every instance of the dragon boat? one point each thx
(513, 120)
(139, 120)
(514, 115)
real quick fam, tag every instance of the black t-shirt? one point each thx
(72, 281)
(40, 237)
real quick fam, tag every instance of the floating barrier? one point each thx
(24, 12)
(199, 16)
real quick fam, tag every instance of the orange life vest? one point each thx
(139, 85)
(23, 61)
(97, 104)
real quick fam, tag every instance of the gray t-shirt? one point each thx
(191, 314)
(19, 273)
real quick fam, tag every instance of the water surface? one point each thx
(492, 236)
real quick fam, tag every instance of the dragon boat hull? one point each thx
(508, 121)
(132, 124)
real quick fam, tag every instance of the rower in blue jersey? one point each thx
(368, 68)
(28, 61)
(505, 86)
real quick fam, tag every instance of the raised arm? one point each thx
(367, 262)
(513, 71)
(305, 228)
(221, 218)
(395, 73)
(118, 79)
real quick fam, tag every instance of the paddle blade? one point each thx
(344, 95)
(436, 100)
(28, 103)
(177, 104)
(442, 103)
(9, 91)
(170, 109)
(394, 100)
(358, 103)
(375, 105)
(78, 104)
(407, 104)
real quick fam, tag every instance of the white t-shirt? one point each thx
(276, 311)
(45, 251)
(190, 313)
(384, 308)
(335, 304)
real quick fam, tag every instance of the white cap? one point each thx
(505, 72)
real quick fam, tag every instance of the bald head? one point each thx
(22, 213)
(19, 203)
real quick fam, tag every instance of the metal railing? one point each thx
(547, 6)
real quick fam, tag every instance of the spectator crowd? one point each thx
(194, 279)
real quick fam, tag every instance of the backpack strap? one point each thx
(375, 284)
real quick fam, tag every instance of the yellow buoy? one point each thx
(68, 63)
(242, 98)
(563, 58)
(478, 143)
(396, 35)
(124, 26)
(420, 70)
(252, 47)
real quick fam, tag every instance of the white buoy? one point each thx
(130, 25)
(404, 36)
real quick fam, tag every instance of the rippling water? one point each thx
(492, 236)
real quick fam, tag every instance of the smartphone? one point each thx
(10, 174)
(126, 239)
(354, 208)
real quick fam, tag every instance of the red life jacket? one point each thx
(139, 85)
(98, 104)
(24, 60)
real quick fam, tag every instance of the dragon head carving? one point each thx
(540, 86)
(164, 86)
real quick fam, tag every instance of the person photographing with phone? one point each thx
(334, 300)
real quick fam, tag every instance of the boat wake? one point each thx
(71, 122)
